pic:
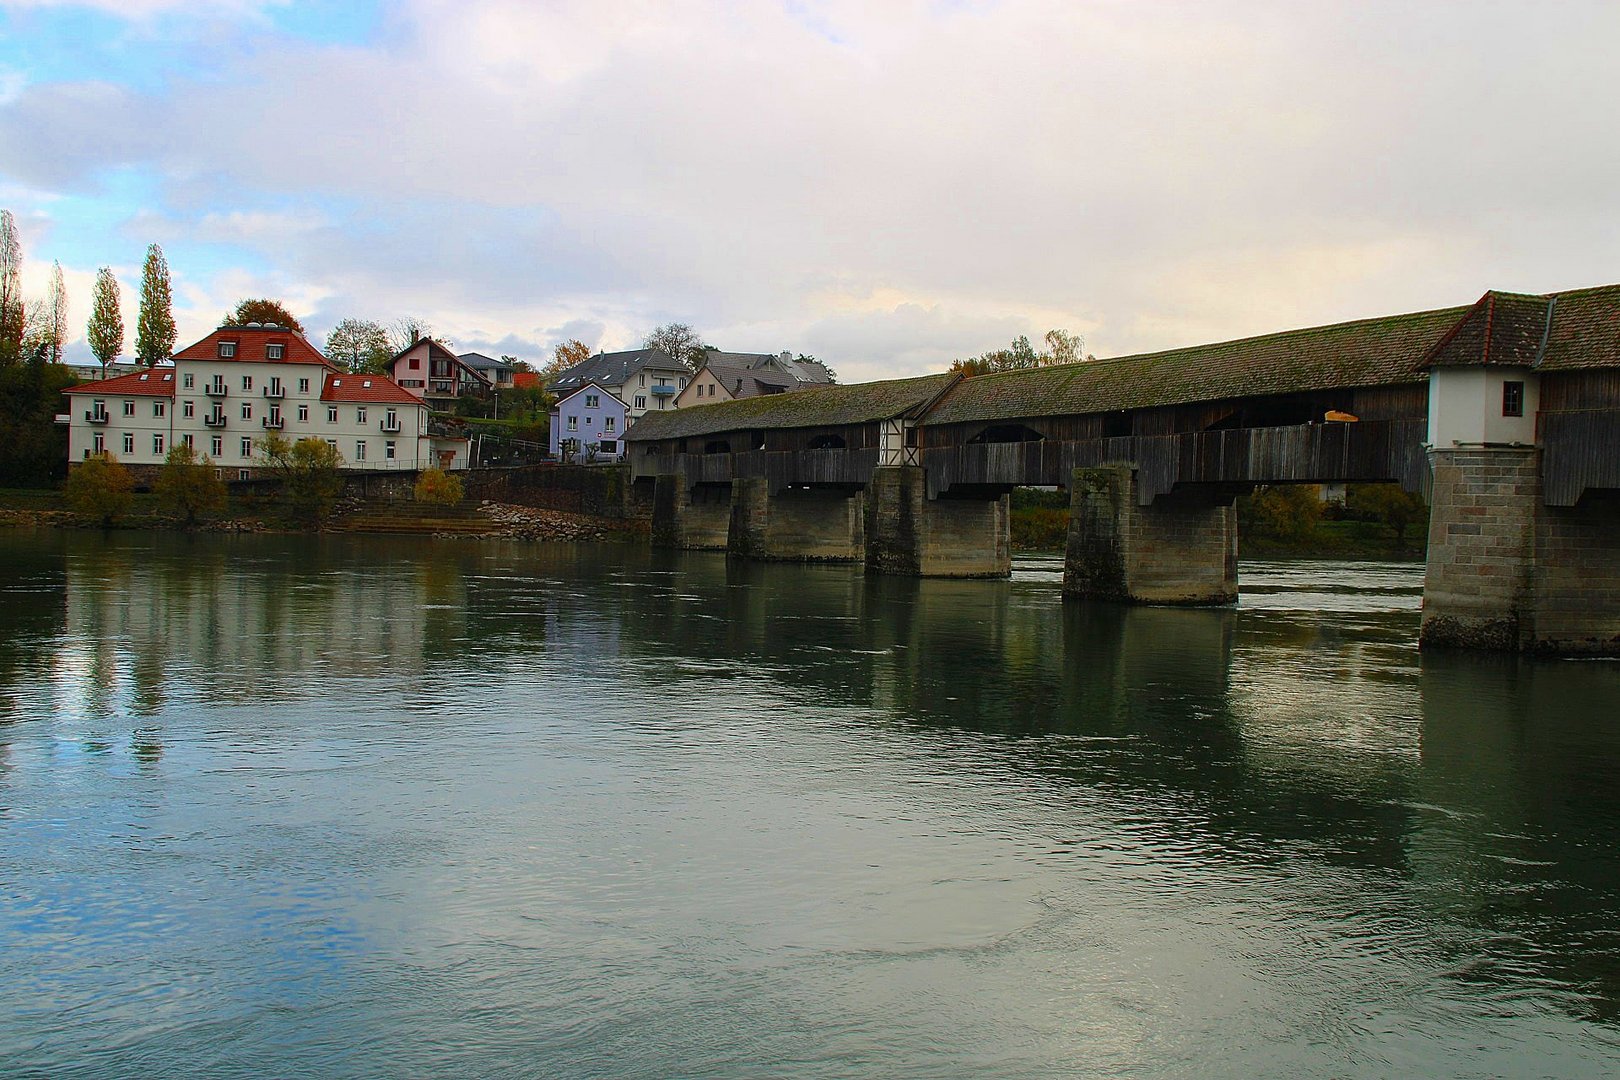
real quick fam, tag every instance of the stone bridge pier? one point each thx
(966, 533)
(803, 523)
(1506, 571)
(1180, 548)
(690, 518)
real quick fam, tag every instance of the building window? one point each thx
(610, 446)
(641, 401)
(247, 447)
(188, 380)
(100, 443)
(247, 410)
(129, 442)
(216, 446)
(274, 352)
(157, 444)
(129, 408)
(188, 409)
(573, 423)
(227, 350)
(159, 408)
(331, 414)
(360, 415)
(593, 401)
(416, 363)
(359, 449)
(1513, 399)
(303, 386)
(388, 449)
(641, 380)
(303, 414)
(608, 424)
(188, 441)
(243, 474)
(332, 443)
(247, 382)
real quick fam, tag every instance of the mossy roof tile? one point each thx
(816, 406)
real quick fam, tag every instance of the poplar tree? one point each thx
(13, 310)
(106, 329)
(154, 330)
(56, 309)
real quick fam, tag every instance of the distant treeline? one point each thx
(1372, 521)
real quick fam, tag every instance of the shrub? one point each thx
(438, 488)
(187, 484)
(99, 488)
(309, 474)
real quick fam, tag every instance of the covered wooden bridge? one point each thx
(1508, 410)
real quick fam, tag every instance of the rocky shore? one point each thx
(529, 523)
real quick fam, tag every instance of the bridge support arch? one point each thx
(1181, 548)
(800, 524)
(966, 535)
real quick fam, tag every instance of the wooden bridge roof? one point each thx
(1585, 330)
(1367, 352)
(813, 407)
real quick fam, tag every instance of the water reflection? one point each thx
(1385, 856)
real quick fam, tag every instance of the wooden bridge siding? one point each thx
(1306, 453)
(1579, 433)
(779, 468)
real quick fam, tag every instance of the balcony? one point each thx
(275, 393)
(215, 421)
(93, 417)
(663, 391)
(391, 426)
(274, 423)
(216, 390)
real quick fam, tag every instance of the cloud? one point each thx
(887, 186)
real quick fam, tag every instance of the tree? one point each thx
(678, 341)
(187, 484)
(1388, 504)
(56, 309)
(99, 488)
(309, 473)
(13, 311)
(437, 488)
(564, 356)
(1062, 348)
(33, 449)
(359, 345)
(263, 311)
(1285, 512)
(105, 331)
(407, 332)
(154, 328)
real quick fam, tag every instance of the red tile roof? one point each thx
(156, 382)
(251, 342)
(367, 388)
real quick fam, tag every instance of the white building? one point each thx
(224, 394)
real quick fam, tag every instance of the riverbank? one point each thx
(485, 519)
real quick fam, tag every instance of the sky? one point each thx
(885, 186)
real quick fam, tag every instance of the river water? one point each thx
(323, 807)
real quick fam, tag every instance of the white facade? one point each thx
(1479, 406)
(225, 408)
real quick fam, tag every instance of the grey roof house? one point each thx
(646, 380)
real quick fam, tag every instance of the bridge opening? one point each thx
(1117, 425)
(717, 446)
(1007, 433)
(828, 442)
